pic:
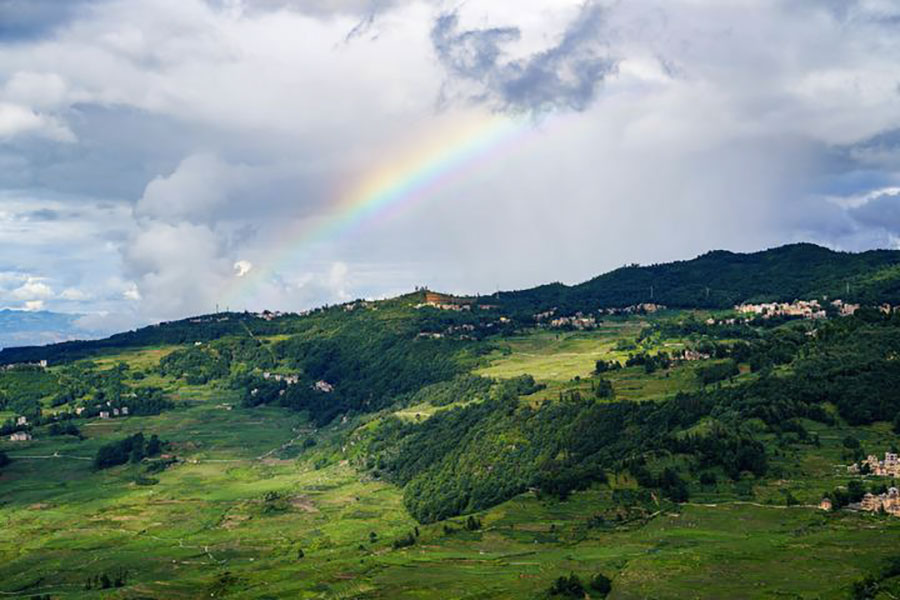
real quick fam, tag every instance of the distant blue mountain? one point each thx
(30, 328)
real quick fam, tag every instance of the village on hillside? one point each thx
(886, 501)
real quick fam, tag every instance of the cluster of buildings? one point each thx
(20, 436)
(197, 320)
(729, 321)
(579, 322)
(430, 335)
(287, 379)
(114, 412)
(644, 308)
(806, 309)
(889, 467)
(323, 386)
(888, 502)
(105, 413)
(845, 309)
(443, 302)
(455, 303)
(461, 332)
(42, 364)
(691, 355)
(351, 306)
(269, 315)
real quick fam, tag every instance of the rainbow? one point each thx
(447, 159)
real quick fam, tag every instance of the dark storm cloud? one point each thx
(882, 211)
(29, 19)
(563, 76)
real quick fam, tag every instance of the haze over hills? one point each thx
(30, 328)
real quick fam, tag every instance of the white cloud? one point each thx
(242, 267)
(194, 189)
(74, 294)
(38, 90)
(33, 305)
(16, 120)
(131, 292)
(33, 289)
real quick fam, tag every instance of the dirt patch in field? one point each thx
(39, 506)
(232, 521)
(304, 503)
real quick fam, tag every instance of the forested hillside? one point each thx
(721, 279)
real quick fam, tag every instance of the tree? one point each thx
(855, 490)
(851, 443)
(897, 424)
(603, 388)
(568, 587)
(601, 584)
(673, 486)
(154, 446)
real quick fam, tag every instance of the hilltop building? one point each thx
(20, 436)
(445, 302)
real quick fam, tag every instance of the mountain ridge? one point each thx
(717, 279)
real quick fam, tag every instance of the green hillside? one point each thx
(722, 279)
(396, 449)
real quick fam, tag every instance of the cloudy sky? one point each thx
(160, 157)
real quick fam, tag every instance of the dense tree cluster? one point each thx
(133, 448)
(461, 388)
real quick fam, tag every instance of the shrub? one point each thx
(404, 542)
